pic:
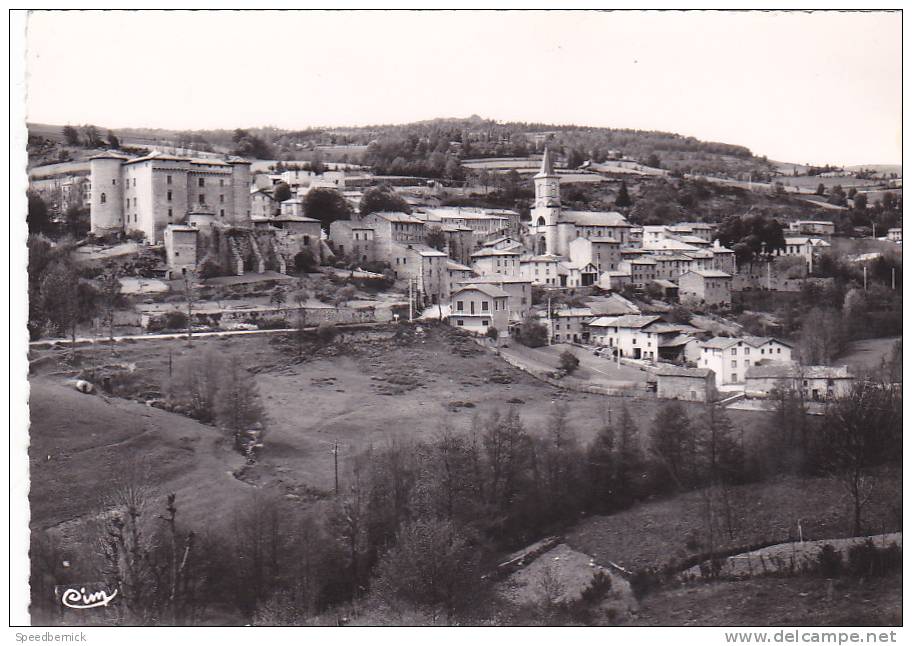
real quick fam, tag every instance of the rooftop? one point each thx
(484, 288)
(665, 370)
(483, 253)
(495, 279)
(710, 273)
(455, 266)
(722, 342)
(635, 321)
(795, 371)
(595, 218)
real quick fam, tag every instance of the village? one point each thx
(294, 350)
(208, 245)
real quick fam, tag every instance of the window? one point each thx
(734, 364)
(177, 254)
(169, 214)
(221, 182)
(113, 182)
(484, 322)
(459, 322)
(169, 196)
(747, 350)
(134, 182)
(222, 199)
(134, 202)
(222, 213)
(104, 198)
(734, 351)
(484, 306)
(168, 179)
(202, 181)
(202, 198)
(459, 306)
(747, 363)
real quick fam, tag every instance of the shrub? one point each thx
(492, 333)
(326, 332)
(829, 561)
(208, 269)
(305, 261)
(532, 333)
(568, 361)
(175, 320)
(272, 323)
(135, 235)
(866, 559)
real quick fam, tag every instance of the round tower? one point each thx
(106, 208)
(240, 190)
(546, 210)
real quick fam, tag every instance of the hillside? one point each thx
(81, 446)
(423, 147)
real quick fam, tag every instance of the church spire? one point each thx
(547, 167)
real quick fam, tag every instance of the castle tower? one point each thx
(106, 208)
(546, 210)
(240, 188)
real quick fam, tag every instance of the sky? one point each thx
(817, 87)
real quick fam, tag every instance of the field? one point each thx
(805, 601)
(81, 446)
(868, 353)
(654, 534)
(375, 387)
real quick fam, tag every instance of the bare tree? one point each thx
(863, 431)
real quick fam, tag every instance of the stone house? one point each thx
(706, 286)
(568, 325)
(814, 383)
(180, 248)
(691, 384)
(496, 261)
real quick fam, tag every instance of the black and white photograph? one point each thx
(457, 318)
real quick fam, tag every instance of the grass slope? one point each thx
(81, 444)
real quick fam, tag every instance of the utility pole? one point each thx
(864, 271)
(893, 278)
(550, 322)
(769, 277)
(410, 299)
(335, 452)
(188, 287)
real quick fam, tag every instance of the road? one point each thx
(591, 369)
(176, 335)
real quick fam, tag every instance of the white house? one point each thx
(517, 288)
(805, 248)
(541, 270)
(496, 261)
(478, 308)
(730, 357)
(629, 335)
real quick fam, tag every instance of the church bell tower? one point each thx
(546, 211)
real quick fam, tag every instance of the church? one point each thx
(554, 228)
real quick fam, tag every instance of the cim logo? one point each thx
(83, 596)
